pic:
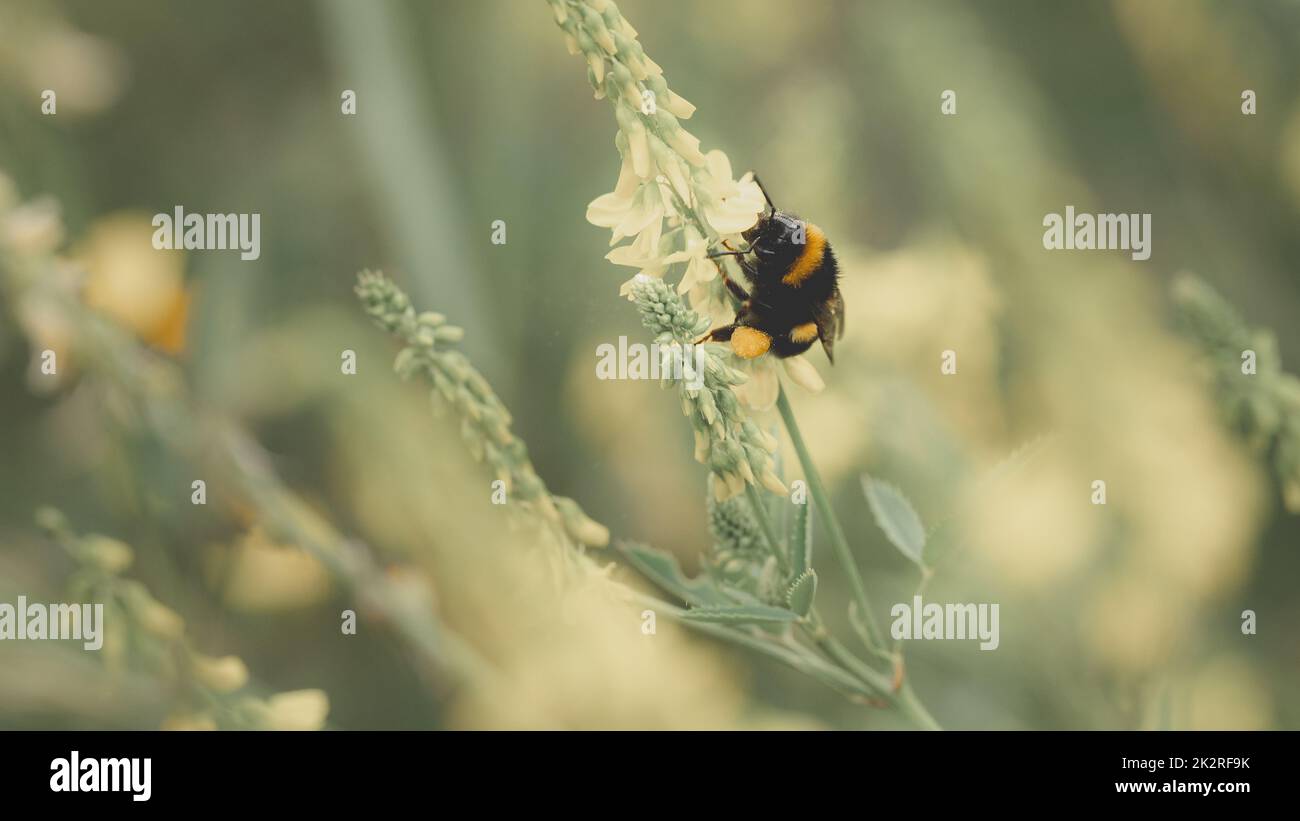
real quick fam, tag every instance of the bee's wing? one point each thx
(830, 322)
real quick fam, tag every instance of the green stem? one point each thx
(838, 540)
(798, 658)
(412, 177)
(903, 699)
(907, 703)
(769, 535)
(841, 655)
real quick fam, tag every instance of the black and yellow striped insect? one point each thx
(793, 298)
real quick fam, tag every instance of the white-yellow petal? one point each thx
(688, 145)
(721, 492)
(608, 210)
(627, 255)
(735, 483)
(646, 208)
(698, 270)
(773, 483)
(679, 106)
(701, 446)
(640, 149)
(628, 181)
(731, 217)
(719, 166)
(671, 166)
(597, 64)
(803, 374)
(647, 240)
(760, 390)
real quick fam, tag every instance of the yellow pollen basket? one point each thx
(750, 343)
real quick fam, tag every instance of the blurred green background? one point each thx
(470, 112)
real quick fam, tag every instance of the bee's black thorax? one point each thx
(791, 279)
(793, 298)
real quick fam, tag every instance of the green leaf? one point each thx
(747, 614)
(799, 596)
(896, 517)
(662, 569)
(800, 539)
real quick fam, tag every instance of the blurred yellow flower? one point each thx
(224, 675)
(110, 555)
(1035, 526)
(137, 285)
(1133, 625)
(591, 666)
(33, 228)
(1229, 694)
(256, 574)
(154, 617)
(50, 328)
(189, 721)
(296, 710)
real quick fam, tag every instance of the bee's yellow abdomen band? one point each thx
(806, 332)
(809, 259)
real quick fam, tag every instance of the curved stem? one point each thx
(838, 540)
(903, 699)
(907, 703)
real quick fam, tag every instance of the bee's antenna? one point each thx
(771, 207)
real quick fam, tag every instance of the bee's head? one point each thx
(776, 232)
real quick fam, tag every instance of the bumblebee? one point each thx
(794, 298)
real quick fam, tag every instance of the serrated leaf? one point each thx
(662, 569)
(800, 539)
(737, 596)
(799, 596)
(896, 517)
(746, 614)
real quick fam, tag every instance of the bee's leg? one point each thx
(746, 342)
(750, 270)
(726, 243)
(737, 290)
(722, 334)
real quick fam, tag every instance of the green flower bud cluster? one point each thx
(142, 634)
(736, 450)
(1259, 399)
(739, 553)
(485, 420)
